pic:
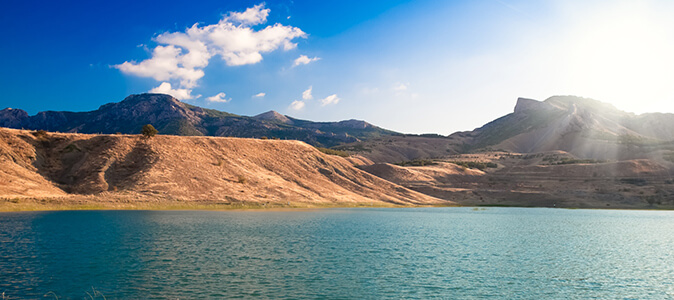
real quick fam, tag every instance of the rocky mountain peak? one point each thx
(356, 124)
(524, 104)
(11, 117)
(273, 116)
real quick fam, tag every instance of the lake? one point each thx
(500, 253)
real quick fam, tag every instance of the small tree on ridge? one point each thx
(149, 131)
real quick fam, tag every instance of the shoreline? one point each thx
(27, 205)
(45, 205)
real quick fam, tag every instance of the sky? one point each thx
(419, 66)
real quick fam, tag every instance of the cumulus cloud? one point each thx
(259, 95)
(332, 99)
(220, 98)
(303, 60)
(180, 94)
(297, 105)
(252, 16)
(181, 57)
(306, 95)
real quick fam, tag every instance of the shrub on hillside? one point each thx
(149, 131)
(333, 152)
(475, 164)
(417, 163)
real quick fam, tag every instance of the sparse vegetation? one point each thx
(333, 152)
(354, 148)
(417, 163)
(241, 179)
(570, 161)
(475, 164)
(148, 131)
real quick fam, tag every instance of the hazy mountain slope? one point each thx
(172, 168)
(170, 116)
(583, 127)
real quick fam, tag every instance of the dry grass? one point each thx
(120, 172)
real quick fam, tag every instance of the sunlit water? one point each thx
(502, 253)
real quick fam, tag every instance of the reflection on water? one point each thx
(339, 253)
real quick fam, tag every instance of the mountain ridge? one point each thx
(171, 116)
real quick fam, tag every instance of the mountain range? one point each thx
(584, 127)
(173, 117)
(565, 152)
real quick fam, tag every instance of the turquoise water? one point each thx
(501, 253)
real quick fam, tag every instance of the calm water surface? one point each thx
(501, 253)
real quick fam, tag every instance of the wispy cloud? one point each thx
(180, 94)
(219, 98)
(304, 60)
(399, 87)
(259, 95)
(306, 95)
(180, 57)
(297, 105)
(332, 99)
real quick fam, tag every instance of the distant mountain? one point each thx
(584, 127)
(171, 116)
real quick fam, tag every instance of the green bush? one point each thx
(475, 164)
(149, 131)
(333, 152)
(417, 163)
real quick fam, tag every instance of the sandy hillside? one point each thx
(171, 168)
(554, 178)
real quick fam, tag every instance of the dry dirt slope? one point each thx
(173, 168)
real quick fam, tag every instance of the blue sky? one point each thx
(410, 66)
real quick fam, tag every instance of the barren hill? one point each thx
(173, 168)
(554, 178)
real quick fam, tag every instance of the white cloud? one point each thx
(259, 95)
(306, 95)
(332, 99)
(303, 60)
(297, 105)
(180, 94)
(220, 98)
(181, 57)
(252, 16)
(399, 87)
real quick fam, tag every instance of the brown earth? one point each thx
(99, 169)
(543, 179)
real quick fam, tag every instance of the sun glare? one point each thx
(624, 56)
